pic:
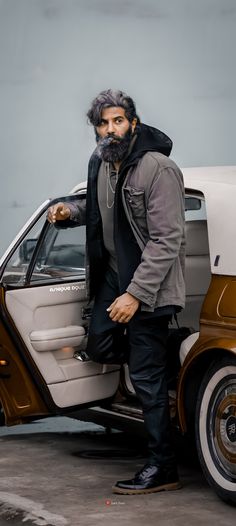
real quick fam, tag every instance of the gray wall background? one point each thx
(176, 58)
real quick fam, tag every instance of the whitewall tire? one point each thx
(216, 427)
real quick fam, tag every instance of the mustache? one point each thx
(106, 141)
(109, 139)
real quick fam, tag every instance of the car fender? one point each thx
(201, 355)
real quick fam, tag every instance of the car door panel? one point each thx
(42, 311)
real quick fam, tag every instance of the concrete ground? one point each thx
(59, 472)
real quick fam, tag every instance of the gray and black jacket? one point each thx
(149, 233)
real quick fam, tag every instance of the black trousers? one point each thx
(143, 347)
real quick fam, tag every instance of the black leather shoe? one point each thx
(149, 479)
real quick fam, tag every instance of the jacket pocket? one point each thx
(135, 203)
(135, 200)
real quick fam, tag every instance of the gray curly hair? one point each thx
(108, 99)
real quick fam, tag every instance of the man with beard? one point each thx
(134, 217)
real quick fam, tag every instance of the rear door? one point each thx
(44, 314)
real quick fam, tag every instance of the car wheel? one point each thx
(216, 427)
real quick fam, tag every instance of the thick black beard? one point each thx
(114, 151)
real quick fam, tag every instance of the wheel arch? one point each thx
(190, 381)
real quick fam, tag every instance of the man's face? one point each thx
(114, 134)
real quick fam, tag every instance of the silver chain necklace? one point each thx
(110, 190)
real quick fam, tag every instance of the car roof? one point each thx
(199, 176)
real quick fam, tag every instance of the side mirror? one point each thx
(27, 249)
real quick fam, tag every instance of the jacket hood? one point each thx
(150, 139)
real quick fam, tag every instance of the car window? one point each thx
(61, 254)
(195, 208)
(17, 266)
(47, 253)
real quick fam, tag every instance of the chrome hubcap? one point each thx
(222, 423)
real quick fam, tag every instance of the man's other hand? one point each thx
(58, 212)
(123, 308)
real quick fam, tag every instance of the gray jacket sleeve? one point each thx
(165, 223)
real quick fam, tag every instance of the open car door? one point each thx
(43, 324)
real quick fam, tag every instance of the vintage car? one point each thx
(44, 320)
